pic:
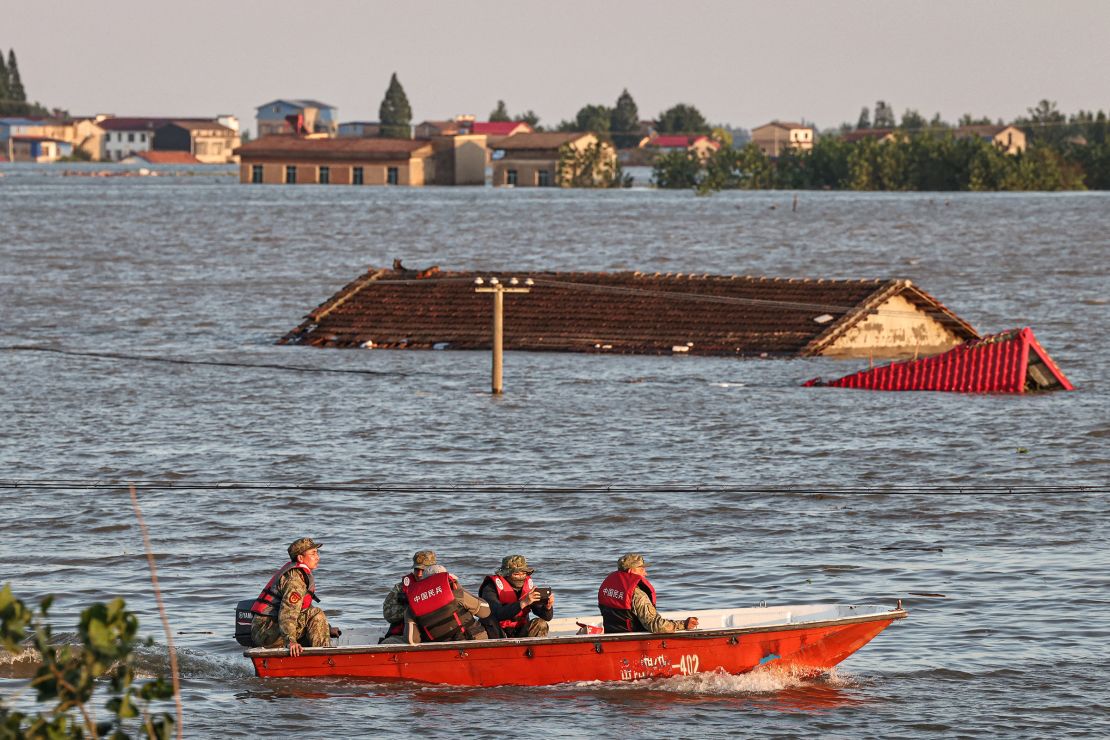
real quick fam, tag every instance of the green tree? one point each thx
(500, 113)
(15, 84)
(1045, 124)
(969, 120)
(864, 120)
(67, 677)
(395, 113)
(682, 119)
(595, 166)
(676, 170)
(595, 118)
(4, 88)
(913, 120)
(624, 121)
(722, 136)
(529, 116)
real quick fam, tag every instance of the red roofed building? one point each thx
(500, 128)
(701, 145)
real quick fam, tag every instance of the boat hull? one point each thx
(807, 649)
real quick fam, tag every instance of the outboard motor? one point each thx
(243, 618)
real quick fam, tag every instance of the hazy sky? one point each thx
(740, 62)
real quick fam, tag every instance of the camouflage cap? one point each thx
(301, 546)
(630, 561)
(424, 559)
(513, 563)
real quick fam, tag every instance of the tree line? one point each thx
(13, 96)
(1062, 153)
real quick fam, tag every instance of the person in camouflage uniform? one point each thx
(296, 624)
(642, 606)
(510, 617)
(395, 604)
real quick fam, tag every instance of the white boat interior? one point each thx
(708, 619)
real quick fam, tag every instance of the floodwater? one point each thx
(971, 509)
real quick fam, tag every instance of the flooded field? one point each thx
(738, 483)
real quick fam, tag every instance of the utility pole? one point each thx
(499, 291)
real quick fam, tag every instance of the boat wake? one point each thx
(719, 683)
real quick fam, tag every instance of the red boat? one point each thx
(806, 639)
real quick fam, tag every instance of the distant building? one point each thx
(126, 136)
(37, 149)
(1009, 139)
(773, 138)
(360, 129)
(287, 116)
(428, 129)
(295, 160)
(527, 160)
(208, 141)
(701, 145)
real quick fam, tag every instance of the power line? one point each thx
(215, 363)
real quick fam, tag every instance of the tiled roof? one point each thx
(783, 125)
(351, 147)
(498, 128)
(549, 140)
(167, 157)
(138, 123)
(630, 313)
(195, 125)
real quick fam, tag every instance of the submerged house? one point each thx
(637, 313)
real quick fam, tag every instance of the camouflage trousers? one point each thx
(538, 627)
(312, 630)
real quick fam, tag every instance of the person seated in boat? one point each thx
(393, 608)
(283, 613)
(440, 610)
(512, 596)
(626, 599)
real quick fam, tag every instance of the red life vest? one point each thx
(614, 599)
(436, 605)
(506, 594)
(269, 601)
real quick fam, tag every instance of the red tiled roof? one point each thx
(670, 140)
(498, 128)
(167, 157)
(343, 148)
(631, 313)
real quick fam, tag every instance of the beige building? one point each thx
(296, 160)
(210, 142)
(774, 137)
(459, 160)
(1009, 139)
(526, 160)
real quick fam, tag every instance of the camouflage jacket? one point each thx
(649, 617)
(393, 608)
